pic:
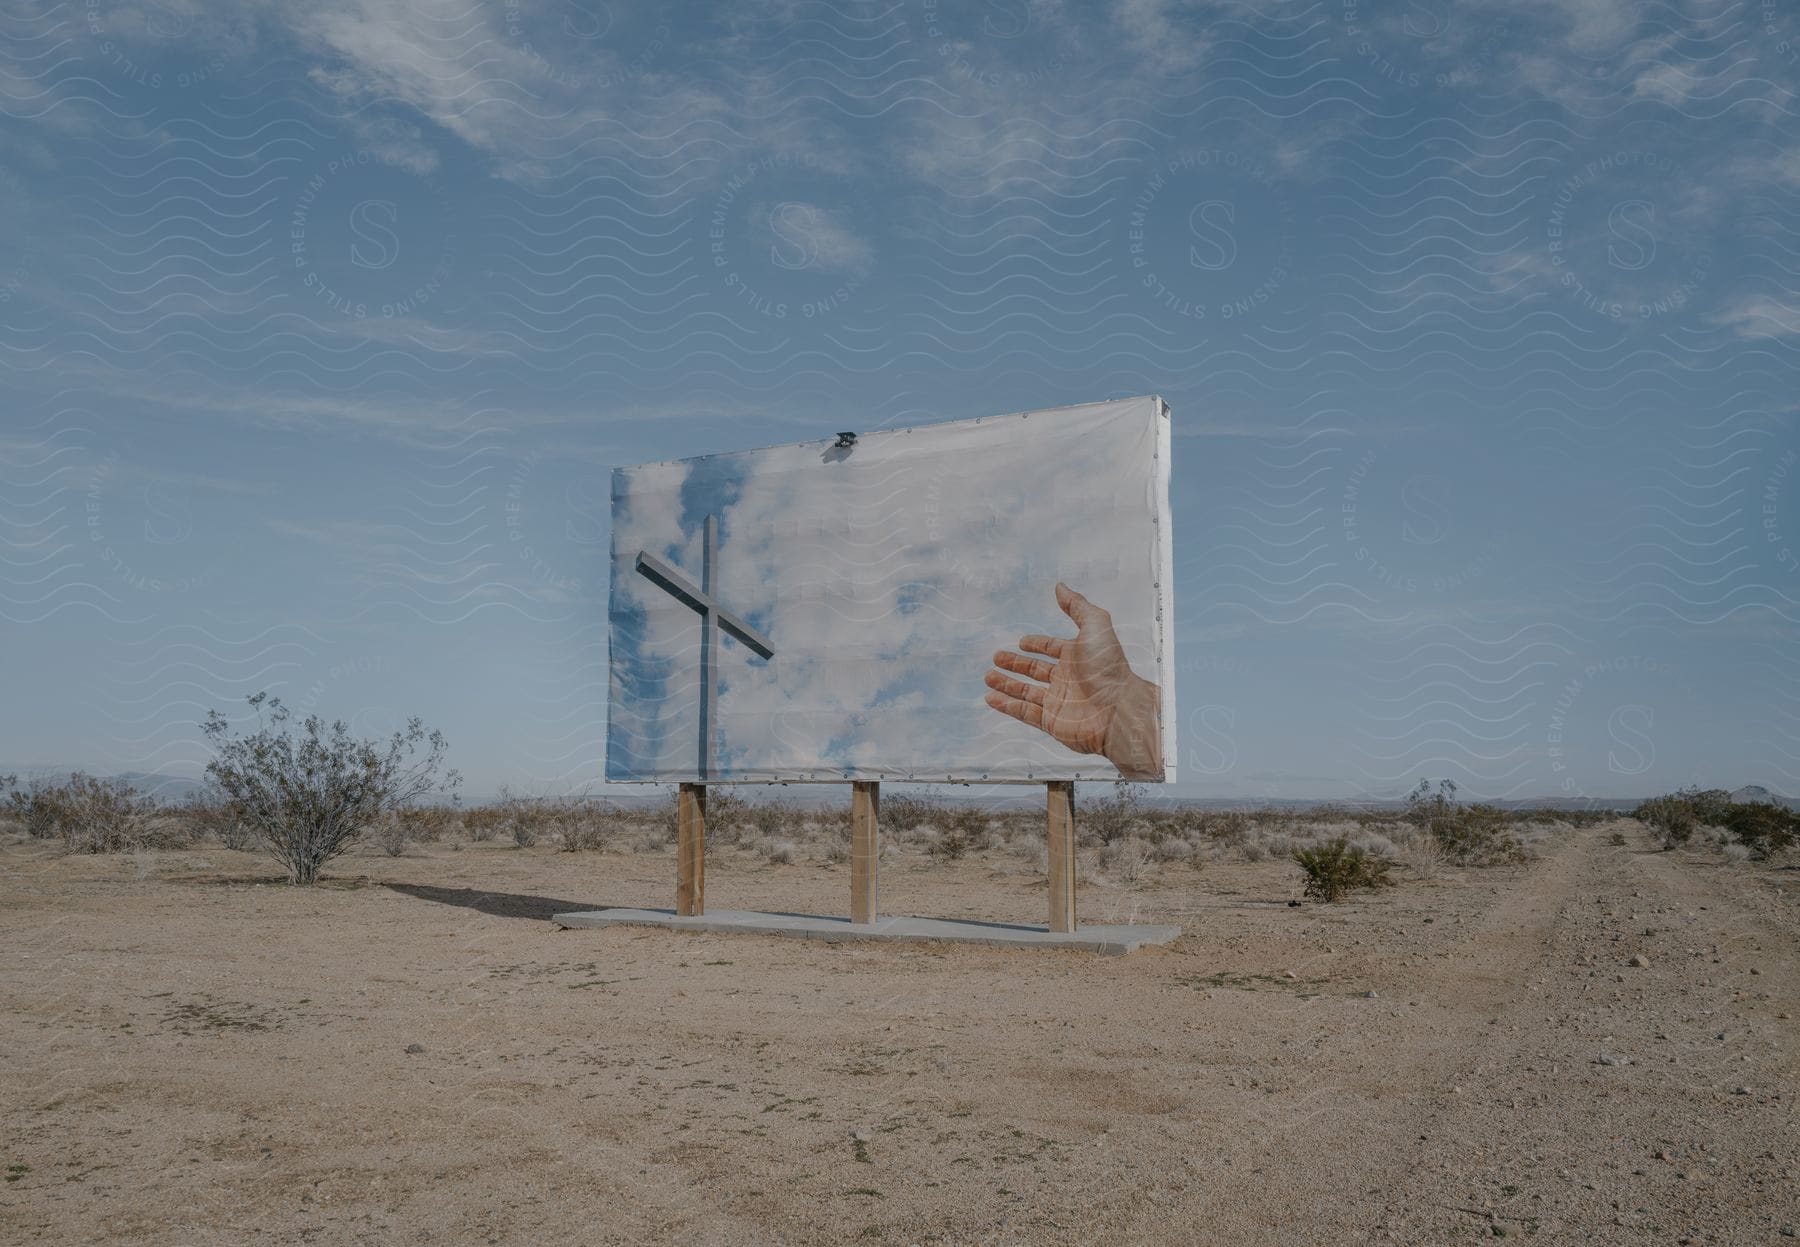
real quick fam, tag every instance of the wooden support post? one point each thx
(1059, 833)
(690, 852)
(865, 849)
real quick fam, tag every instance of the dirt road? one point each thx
(198, 1058)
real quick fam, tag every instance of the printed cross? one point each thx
(713, 618)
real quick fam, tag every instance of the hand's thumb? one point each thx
(1073, 604)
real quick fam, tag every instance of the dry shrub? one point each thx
(1019, 821)
(1472, 835)
(1482, 837)
(522, 819)
(1230, 827)
(1336, 867)
(666, 820)
(483, 823)
(38, 805)
(1676, 816)
(211, 816)
(770, 818)
(428, 824)
(110, 816)
(1174, 850)
(962, 829)
(1126, 860)
(1762, 828)
(834, 822)
(391, 834)
(1087, 866)
(94, 815)
(582, 827)
(1373, 842)
(1111, 817)
(909, 811)
(949, 845)
(589, 825)
(573, 823)
(728, 815)
(1421, 854)
(310, 789)
(974, 824)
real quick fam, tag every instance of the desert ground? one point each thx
(412, 1053)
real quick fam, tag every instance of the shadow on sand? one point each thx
(498, 904)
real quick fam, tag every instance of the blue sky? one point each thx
(325, 324)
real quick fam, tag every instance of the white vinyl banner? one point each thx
(983, 600)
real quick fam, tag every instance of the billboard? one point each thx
(980, 600)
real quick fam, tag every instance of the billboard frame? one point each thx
(1163, 621)
(1059, 790)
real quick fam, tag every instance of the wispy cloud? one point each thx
(805, 235)
(1152, 30)
(1760, 316)
(396, 142)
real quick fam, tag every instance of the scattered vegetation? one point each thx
(1468, 835)
(1113, 817)
(950, 844)
(1676, 816)
(37, 805)
(907, 811)
(1336, 868)
(1123, 838)
(1761, 827)
(306, 793)
(91, 815)
(208, 817)
(1127, 860)
(1740, 829)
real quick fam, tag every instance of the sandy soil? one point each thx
(197, 1057)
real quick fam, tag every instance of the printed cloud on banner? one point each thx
(981, 599)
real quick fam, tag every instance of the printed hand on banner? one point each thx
(1086, 695)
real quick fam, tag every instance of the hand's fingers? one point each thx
(1073, 604)
(1033, 693)
(1024, 711)
(1038, 643)
(1036, 668)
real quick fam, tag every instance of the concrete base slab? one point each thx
(1112, 940)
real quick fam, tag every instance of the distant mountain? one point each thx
(1756, 794)
(168, 788)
